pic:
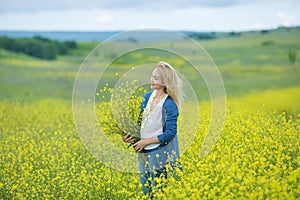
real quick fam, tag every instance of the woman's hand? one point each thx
(139, 146)
(128, 138)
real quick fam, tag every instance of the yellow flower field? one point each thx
(44, 156)
(256, 157)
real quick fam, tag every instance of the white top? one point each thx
(152, 120)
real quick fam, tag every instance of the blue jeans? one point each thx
(152, 165)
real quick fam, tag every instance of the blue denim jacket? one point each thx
(168, 150)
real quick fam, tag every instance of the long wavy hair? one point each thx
(171, 82)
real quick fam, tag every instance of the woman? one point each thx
(158, 146)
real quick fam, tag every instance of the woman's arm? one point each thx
(170, 125)
(170, 130)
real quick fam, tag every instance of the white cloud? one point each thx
(104, 18)
(258, 25)
(15, 6)
(286, 19)
(241, 16)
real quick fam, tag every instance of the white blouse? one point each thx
(152, 120)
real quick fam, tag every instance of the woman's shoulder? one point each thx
(170, 103)
(147, 95)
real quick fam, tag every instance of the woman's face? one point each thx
(155, 80)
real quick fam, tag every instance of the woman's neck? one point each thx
(160, 93)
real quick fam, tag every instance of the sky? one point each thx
(117, 15)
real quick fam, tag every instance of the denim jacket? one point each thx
(168, 150)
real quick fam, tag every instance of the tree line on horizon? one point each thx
(37, 46)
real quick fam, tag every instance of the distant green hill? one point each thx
(251, 62)
(37, 46)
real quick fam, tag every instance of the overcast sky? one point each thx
(105, 15)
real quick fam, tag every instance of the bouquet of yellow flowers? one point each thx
(120, 110)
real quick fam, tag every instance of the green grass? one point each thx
(247, 50)
(245, 65)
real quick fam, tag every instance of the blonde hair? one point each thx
(171, 82)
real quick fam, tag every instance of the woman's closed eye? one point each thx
(154, 77)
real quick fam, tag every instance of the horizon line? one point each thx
(186, 30)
